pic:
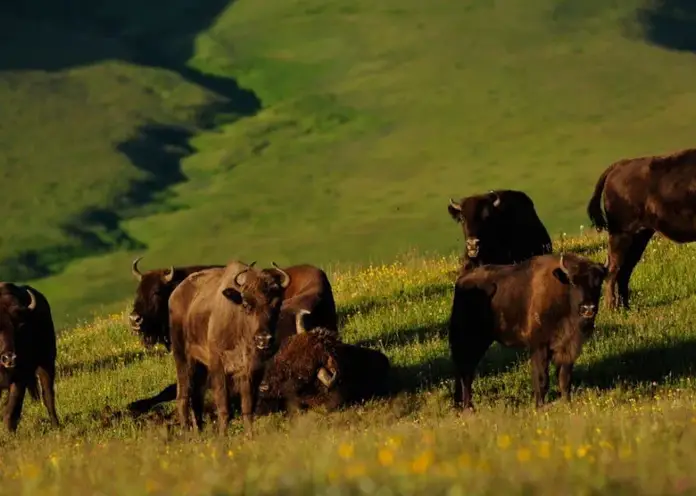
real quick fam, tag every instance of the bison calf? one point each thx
(546, 304)
(314, 368)
(27, 350)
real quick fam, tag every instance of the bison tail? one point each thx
(594, 207)
(33, 388)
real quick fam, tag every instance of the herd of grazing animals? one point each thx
(270, 336)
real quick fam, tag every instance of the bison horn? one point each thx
(455, 205)
(240, 278)
(32, 300)
(326, 378)
(496, 198)
(168, 275)
(563, 267)
(299, 324)
(134, 269)
(285, 281)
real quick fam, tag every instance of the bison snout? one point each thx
(472, 247)
(8, 360)
(136, 321)
(263, 341)
(264, 387)
(327, 378)
(588, 311)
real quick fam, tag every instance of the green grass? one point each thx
(120, 129)
(631, 428)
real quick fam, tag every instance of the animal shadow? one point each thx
(670, 24)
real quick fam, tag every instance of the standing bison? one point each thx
(27, 350)
(545, 304)
(314, 368)
(642, 196)
(223, 324)
(500, 227)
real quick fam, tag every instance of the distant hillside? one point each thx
(305, 131)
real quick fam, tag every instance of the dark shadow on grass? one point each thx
(105, 363)
(669, 24)
(71, 33)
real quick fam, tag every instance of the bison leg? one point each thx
(466, 359)
(540, 374)
(632, 256)
(619, 245)
(47, 378)
(564, 373)
(218, 382)
(183, 392)
(200, 378)
(248, 394)
(13, 410)
(146, 404)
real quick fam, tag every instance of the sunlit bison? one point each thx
(315, 369)
(546, 304)
(499, 227)
(643, 196)
(27, 350)
(223, 325)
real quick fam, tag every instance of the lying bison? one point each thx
(222, 324)
(309, 289)
(500, 227)
(642, 196)
(27, 350)
(314, 368)
(546, 304)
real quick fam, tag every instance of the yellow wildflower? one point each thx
(346, 450)
(504, 441)
(421, 464)
(524, 454)
(464, 460)
(385, 456)
(355, 470)
(544, 449)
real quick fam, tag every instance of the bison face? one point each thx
(586, 278)
(478, 217)
(12, 318)
(260, 293)
(150, 318)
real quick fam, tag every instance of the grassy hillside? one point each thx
(121, 135)
(634, 398)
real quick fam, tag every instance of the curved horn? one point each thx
(454, 204)
(134, 269)
(240, 278)
(32, 299)
(563, 267)
(299, 323)
(326, 378)
(285, 281)
(496, 201)
(169, 275)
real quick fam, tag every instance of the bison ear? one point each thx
(455, 210)
(233, 295)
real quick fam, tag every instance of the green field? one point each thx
(631, 428)
(311, 131)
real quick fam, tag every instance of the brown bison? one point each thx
(27, 350)
(150, 315)
(314, 368)
(500, 227)
(546, 304)
(309, 289)
(642, 196)
(222, 325)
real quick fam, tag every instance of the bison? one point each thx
(309, 289)
(222, 325)
(500, 227)
(314, 368)
(642, 196)
(27, 350)
(546, 304)
(150, 315)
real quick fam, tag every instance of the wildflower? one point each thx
(385, 456)
(544, 449)
(394, 442)
(624, 452)
(421, 464)
(567, 452)
(345, 451)
(524, 454)
(230, 454)
(504, 441)
(464, 460)
(355, 470)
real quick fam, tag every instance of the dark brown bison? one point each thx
(222, 325)
(27, 350)
(500, 227)
(150, 315)
(546, 304)
(309, 289)
(642, 196)
(314, 368)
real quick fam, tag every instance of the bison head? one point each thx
(478, 216)
(17, 304)
(586, 279)
(150, 315)
(259, 294)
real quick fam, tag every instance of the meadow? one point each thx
(311, 130)
(630, 429)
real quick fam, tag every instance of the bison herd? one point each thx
(270, 337)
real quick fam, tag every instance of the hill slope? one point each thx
(121, 133)
(634, 395)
